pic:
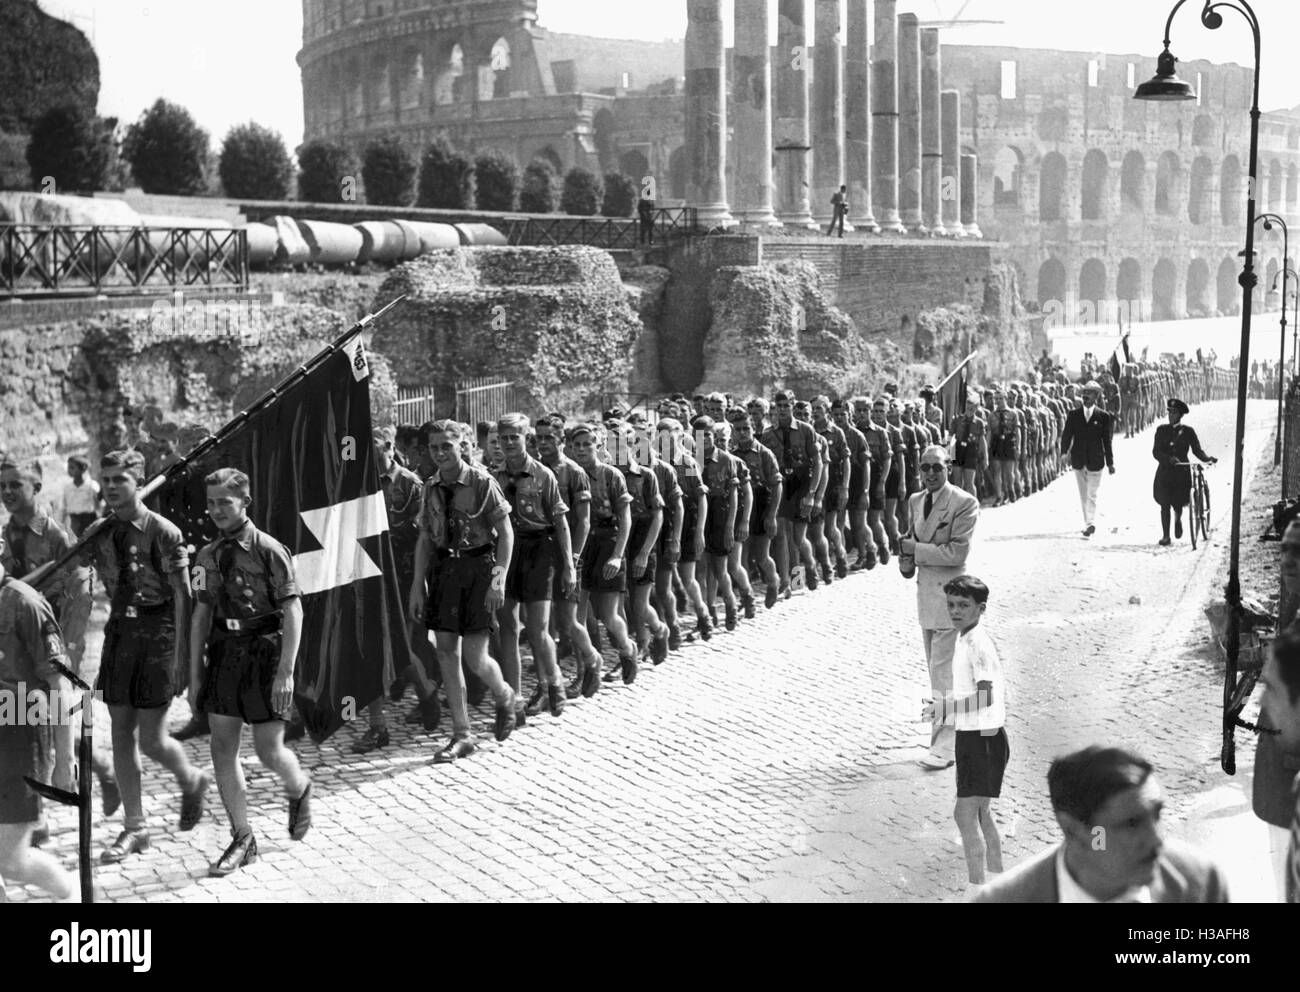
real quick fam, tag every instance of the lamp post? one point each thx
(1167, 86)
(1269, 220)
(1295, 295)
(1281, 372)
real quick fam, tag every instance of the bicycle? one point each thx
(1199, 515)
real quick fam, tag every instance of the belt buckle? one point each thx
(234, 624)
(131, 613)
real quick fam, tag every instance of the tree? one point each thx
(168, 151)
(327, 173)
(254, 164)
(73, 148)
(583, 192)
(537, 196)
(498, 182)
(446, 178)
(388, 172)
(620, 195)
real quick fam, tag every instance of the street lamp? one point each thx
(1167, 86)
(1295, 295)
(1269, 220)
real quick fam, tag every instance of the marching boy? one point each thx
(248, 617)
(977, 706)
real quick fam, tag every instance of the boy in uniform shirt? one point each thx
(911, 455)
(575, 490)
(603, 570)
(817, 520)
(837, 487)
(647, 512)
(880, 446)
(694, 517)
(894, 484)
(143, 562)
(30, 646)
(248, 620)
(721, 479)
(30, 540)
(977, 707)
(852, 520)
(539, 515)
(669, 551)
(795, 446)
(765, 479)
(460, 577)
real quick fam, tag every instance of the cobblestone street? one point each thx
(775, 763)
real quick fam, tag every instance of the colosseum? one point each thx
(1097, 198)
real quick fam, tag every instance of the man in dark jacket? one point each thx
(1086, 438)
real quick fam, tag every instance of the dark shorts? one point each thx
(715, 529)
(532, 577)
(640, 528)
(981, 760)
(968, 455)
(240, 675)
(793, 491)
(690, 546)
(758, 512)
(832, 500)
(894, 481)
(857, 498)
(600, 545)
(457, 602)
(19, 756)
(557, 577)
(136, 665)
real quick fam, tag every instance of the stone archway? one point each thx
(1198, 289)
(1008, 167)
(1051, 284)
(1168, 180)
(1128, 289)
(634, 164)
(1133, 183)
(1199, 191)
(1228, 291)
(1092, 185)
(1092, 292)
(1230, 192)
(1051, 187)
(1164, 279)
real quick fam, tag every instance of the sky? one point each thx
(232, 62)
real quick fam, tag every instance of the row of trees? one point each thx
(168, 153)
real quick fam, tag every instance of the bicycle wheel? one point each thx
(1204, 488)
(1194, 512)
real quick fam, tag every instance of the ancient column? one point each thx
(950, 187)
(969, 196)
(857, 118)
(790, 128)
(706, 113)
(884, 119)
(752, 103)
(909, 123)
(931, 141)
(828, 109)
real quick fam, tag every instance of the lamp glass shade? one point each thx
(1165, 88)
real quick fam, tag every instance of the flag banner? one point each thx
(311, 462)
(951, 394)
(1114, 366)
(1128, 355)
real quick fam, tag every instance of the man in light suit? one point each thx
(943, 523)
(1108, 804)
(1086, 437)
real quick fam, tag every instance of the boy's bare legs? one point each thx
(992, 841)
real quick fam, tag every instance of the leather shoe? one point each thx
(554, 700)
(128, 842)
(627, 667)
(769, 598)
(196, 727)
(505, 721)
(192, 803)
(1164, 542)
(705, 628)
(590, 680)
(430, 711)
(461, 747)
(1089, 530)
(841, 567)
(536, 700)
(242, 851)
(1178, 527)
(372, 740)
(659, 648)
(731, 616)
(932, 764)
(747, 604)
(300, 814)
(397, 689)
(295, 730)
(574, 689)
(674, 638)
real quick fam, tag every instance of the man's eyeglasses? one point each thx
(927, 467)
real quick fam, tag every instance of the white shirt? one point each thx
(80, 498)
(1071, 891)
(1087, 412)
(974, 660)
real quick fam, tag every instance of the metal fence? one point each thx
(414, 405)
(486, 398)
(611, 233)
(1291, 442)
(75, 260)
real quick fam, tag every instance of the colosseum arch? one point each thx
(550, 155)
(1292, 187)
(379, 82)
(1128, 288)
(1164, 278)
(1092, 290)
(1230, 192)
(634, 164)
(1093, 185)
(1275, 190)
(501, 62)
(1229, 292)
(1168, 178)
(1051, 283)
(1203, 130)
(334, 94)
(411, 76)
(354, 94)
(1133, 183)
(1051, 187)
(1008, 167)
(449, 77)
(1199, 190)
(1198, 289)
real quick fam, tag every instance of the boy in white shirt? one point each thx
(977, 707)
(80, 502)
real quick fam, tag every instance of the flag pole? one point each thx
(963, 364)
(38, 577)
